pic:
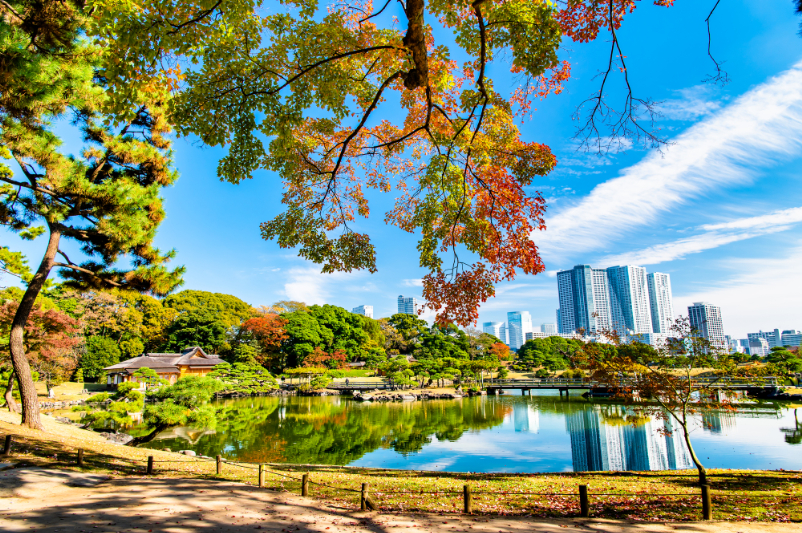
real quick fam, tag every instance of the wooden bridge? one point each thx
(764, 385)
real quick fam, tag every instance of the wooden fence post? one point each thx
(305, 485)
(80, 457)
(363, 504)
(261, 475)
(7, 446)
(150, 465)
(707, 503)
(584, 504)
(219, 465)
(466, 496)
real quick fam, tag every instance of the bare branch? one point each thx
(720, 75)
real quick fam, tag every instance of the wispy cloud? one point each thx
(694, 103)
(715, 236)
(412, 282)
(758, 129)
(310, 286)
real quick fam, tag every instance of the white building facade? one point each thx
(366, 310)
(706, 319)
(630, 308)
(496, 329)
(519, 323)
(661, 301)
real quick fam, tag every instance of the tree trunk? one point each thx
(30, 401)
(415, 41)
(9, 396)
(701, 469)
(149, 437)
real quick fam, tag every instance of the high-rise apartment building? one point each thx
(584, 300)
(519, 323)
(408, 306)
(661, 302)
(621, 298)
(366, 310)
(548, 329)
(791, 337)
(706, 320)
(630, 310)
(496, 329)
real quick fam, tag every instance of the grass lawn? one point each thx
(737, 494)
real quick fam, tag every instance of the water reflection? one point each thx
(527, 434)
(622, 442)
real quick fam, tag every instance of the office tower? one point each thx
(366, 310)
(559, 322)
(791, 337)
(706, 320)
(495, 329)
(661, 302)
(584, 300)
(548, 329)
(519, 323)
(408, 306)
(758, 346)
(630, 311)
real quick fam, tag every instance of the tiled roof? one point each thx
(168, 363)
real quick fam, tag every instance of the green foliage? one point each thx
(79, 376)
(197, 328)
(99, 397)
(101, 352)
(229, 310)
(131, 348)
(149, 377)
(320, 382)
(243, 378)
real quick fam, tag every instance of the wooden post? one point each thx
(466, 496)
(305, 485)
(363, 504)
(707, 503)
(150, 465)
(261, 475)
(584, 504)
(219, 465)
(80, 458)
(7, 446)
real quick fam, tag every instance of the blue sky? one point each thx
(719, 209)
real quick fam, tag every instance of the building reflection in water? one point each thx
(525, 418)
(610, 441)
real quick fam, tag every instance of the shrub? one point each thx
(97, 398)
(320, 382)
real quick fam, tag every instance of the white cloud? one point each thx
(785, 216)
(716, 235)
(694, 103)
(758, 129)
(412, 282)
(310, 286)
(762, 294)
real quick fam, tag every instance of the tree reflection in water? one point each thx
(334, 430)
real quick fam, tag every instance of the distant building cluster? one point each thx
(762, 342)
(408, 305)
(518, 329)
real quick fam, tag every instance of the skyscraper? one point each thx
(661, 301)
(584, 299)
(548, 329)
(366, 310)
(706, 320)
(519, 323)
(407, 306)
(496, 329)
(629, 300)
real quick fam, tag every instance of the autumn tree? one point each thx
(269, 332)
(50, 339)
(106, 200)
(661, 383)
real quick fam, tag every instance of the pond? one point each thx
(541, 433)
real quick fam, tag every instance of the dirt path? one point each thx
(38, 499)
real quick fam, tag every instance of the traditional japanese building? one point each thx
(169, 366)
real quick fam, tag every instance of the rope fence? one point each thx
(368, 499)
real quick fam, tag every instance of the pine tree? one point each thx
(107, 200)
